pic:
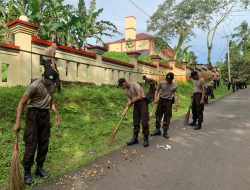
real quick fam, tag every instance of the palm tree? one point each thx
(243, 35)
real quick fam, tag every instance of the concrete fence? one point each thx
(20, 63)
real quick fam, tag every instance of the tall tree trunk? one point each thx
(178, 48)
(209, 55)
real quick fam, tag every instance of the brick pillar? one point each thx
(133, 56)
(23, 32)
(156, 61)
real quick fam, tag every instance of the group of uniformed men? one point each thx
(39, 99)
(164, 95)
(236, 83)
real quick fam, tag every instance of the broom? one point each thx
(186, 120)
(15, 178)
(112, 136)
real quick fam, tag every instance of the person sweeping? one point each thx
(167, 91)
(135, 96)
(39, 98)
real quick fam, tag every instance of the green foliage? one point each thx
(177, 19)
(239, 53)
(189, 56)
(4, 72)
(242, 36)
(59, 21)
(145, 58)
(121, 56)
(88, 115)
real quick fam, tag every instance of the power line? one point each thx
(138, 7)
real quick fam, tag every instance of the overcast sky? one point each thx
(116, 11)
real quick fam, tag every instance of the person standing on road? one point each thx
(198, 100)
(39, 98)
(212, 88)
(167, 93)
(135, 96)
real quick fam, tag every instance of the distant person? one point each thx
(135, 96)
(233, 84)
(50, 62)
(218, 81)
(198, 99)
(152, 88)
(245, 82)
(167, 91)
(49, 58)
(208, 92)
(212, 83)
(39, 98)
(228, 83)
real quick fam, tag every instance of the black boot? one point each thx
(198, 127)
(165, 134)
(134, 140)
(28, 177)
(40, 172)
(157, 132)
(193, 124)
(146, 142)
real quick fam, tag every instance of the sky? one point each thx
(116, 11)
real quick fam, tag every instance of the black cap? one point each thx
(50, 76)
(170, 76)
(193, 73)
(120, 82)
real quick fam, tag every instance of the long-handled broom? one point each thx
(112, 136)
(186, 120)
(15, 178)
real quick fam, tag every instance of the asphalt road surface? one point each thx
(214, 158)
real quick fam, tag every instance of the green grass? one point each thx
(88, 116)
(117, 55)
(4, 72)
(145, 58)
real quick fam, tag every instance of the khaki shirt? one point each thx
(198, 85)
(131, 92)
(51, 52)
(40, 96)
(166, 89)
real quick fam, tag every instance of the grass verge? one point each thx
(88, 116)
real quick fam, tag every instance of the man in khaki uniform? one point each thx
(49, 58)
(135, 96)
(198, 99)
(167, 92)
(39, 98)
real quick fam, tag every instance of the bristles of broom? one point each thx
(15, 178)
(187, 118)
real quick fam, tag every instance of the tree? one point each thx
(69, 26)
(87, 25)
(188, 56)
(221, 12)
(243, 36)
(177, 19)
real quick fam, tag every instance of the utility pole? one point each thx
(228, 57)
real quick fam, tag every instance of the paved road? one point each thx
(215, 158)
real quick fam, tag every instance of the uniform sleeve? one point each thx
(175, 89)
(52, 52)
(158, 87)
(202, 83)
(31, 90)
(137, 86)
